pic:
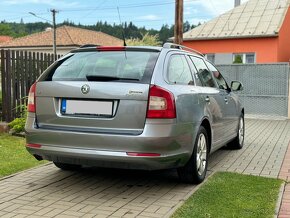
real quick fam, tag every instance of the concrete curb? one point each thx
(279, 201)
(173, 209)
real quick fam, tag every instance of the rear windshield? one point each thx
(134, 66)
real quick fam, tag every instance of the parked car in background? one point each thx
(134, 108)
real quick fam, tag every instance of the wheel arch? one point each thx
(206, 124)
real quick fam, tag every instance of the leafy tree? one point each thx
(238, 59)
(186, 26)
(146, 40)
(5, 29)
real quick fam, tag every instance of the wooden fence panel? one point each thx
(18, 71)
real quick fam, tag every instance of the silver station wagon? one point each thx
(135, 108)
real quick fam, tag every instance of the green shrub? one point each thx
(18, 124)
(238, 59)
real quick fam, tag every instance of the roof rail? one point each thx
(181, 47)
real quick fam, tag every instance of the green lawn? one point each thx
(232, 195)
(13, 155)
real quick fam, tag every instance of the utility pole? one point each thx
(53, 11)
(178, 27)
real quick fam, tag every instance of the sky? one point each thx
(147, 13)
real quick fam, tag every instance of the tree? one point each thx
(186, 26)
(5, 29)
(238, 59)
(147, 39)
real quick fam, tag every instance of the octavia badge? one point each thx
(85, 89)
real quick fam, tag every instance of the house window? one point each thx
(244, 58)
(250, 58)
(210, 57)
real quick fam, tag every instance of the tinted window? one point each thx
(133, 65)
(179, 71)
(218, 76)
(203, 73)
(194, 71)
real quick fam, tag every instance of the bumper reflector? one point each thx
(33, 145)
(135, 154)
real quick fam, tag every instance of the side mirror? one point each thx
(236, 86)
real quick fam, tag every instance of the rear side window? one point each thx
(179, 71)
(218, 77)
(106, 66)
(203, 73)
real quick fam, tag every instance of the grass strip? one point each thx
(232, 195)
(13, 155)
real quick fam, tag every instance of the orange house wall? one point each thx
(284, 39)
(266, 49)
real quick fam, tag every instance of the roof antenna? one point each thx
(123, 32)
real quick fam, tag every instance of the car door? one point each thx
(180, 81)
(213, 99)
(230, 105)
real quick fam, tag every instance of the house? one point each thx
(67, 38)
(5, 38)
(257, 31)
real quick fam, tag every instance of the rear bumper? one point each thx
(89, 157)
(173, 142)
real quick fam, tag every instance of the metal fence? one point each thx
(19, 70)
(265, 87)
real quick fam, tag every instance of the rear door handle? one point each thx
(207, 99)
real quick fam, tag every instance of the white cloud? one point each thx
(149, 17)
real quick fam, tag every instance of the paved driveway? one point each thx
(48, 192)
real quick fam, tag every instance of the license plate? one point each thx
(74, 107)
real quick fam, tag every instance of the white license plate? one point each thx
(87, 107)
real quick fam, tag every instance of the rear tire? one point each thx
(195, 169)
(238, 142)
(67, 167)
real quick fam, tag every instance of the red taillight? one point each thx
(111, 48)
(31, 99)
(161, 104)
(135, 154)
(33, 145)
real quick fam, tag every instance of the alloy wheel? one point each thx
(201, 154)
(241, 131)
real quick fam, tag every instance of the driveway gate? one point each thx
(266, 87)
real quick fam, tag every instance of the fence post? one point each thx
(2, 63)
(7, 89)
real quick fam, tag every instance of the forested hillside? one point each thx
(131, 31)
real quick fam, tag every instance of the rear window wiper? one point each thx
(107, 78)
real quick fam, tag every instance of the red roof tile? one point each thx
(5, 38)
(65, 36)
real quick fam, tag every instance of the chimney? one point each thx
(237, 3)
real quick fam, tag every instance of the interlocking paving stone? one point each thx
(47, 191)
(285, 175)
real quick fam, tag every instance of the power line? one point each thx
(94, 9)
(151, 4)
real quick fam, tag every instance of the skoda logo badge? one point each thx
(85, 89)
